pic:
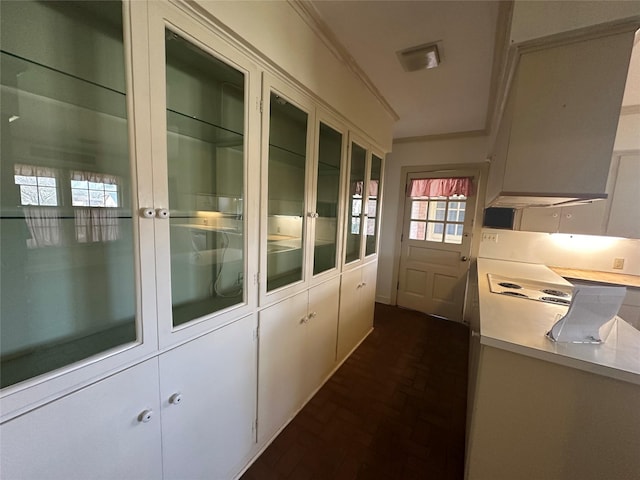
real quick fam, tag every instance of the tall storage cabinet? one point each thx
(173, 215)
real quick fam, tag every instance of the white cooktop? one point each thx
(528, 289)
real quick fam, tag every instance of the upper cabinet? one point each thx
(303, 158)
(364, 188)
(72, 269)
(555, 141)
(202, 126)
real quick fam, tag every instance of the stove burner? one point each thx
(556, 293)
(511, 285)
(558, 301)
(514, 294)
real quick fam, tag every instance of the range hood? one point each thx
(526, 200)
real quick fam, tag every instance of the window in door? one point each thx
(438, 219)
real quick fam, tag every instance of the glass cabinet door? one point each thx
(374, 187)
(357, 171)
(68, 286)
(205, 168)
(287, 161)
(328, 176)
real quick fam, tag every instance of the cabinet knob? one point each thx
(163, 213)
(312, 315)
(464, 258)
(145, 416)
(474, 333)
(313, 215)
(175, 399)
(147, 212)
(304, 320)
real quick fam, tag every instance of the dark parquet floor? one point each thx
(394, 410)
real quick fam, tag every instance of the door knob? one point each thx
(463, 258)
(147, 212)
(145, 416)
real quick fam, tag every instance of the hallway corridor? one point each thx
(394, 410)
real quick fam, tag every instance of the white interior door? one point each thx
(436, 243)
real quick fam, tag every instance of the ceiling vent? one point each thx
(420, 57)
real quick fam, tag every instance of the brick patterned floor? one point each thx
(394, 410)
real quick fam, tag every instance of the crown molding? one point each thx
(442, 136)
(308, 12)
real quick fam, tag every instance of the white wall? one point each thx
(628, 134)
(587, 252)
(277, 31)
(427, 153)
(535, 19)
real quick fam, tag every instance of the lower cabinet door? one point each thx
(108, 430)
(282, 379)
(350, 326)
(208, 398)
(321, 333)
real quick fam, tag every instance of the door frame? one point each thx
(481, 170)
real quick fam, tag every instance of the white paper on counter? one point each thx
(591, 308)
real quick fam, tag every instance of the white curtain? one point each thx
(96, 224)
(44, 226)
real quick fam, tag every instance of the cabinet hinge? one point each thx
(254, 427)
(261, 105)
(256, 278)
(256, 333)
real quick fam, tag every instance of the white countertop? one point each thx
(519, 325)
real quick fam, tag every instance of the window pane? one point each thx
(356, 206)
(372, 208)
(454, 234)
(48, 196)
(79, 184)
(419, 209)
(63, 75)
(79, 197)
(417, 230)
(435, 231)
(96, 198)
(328, 197)
(436, 210)
(29, 195)
(205, 155)
(46, 181)
(25, 180)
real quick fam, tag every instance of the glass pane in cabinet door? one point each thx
(67, 247)
(287, 163)
(205, 159)
(356, 192)
(373, 206)
(328, 195)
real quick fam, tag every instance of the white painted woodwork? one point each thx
(92, 433)
(296, 353)
(535, 419)
(586, 219)
(160, 16)
(566, 104)
(432, 276)
(357, 304)
(209, 433)
(624, 217)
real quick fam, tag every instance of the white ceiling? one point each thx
(452, 98)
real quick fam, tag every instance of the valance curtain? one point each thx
(441, 187)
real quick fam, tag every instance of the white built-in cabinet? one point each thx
(357, 300)
(617, 216)
(297, 353)
(174, 215)
(557, 133)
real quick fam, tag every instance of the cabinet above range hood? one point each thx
(555, 140)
